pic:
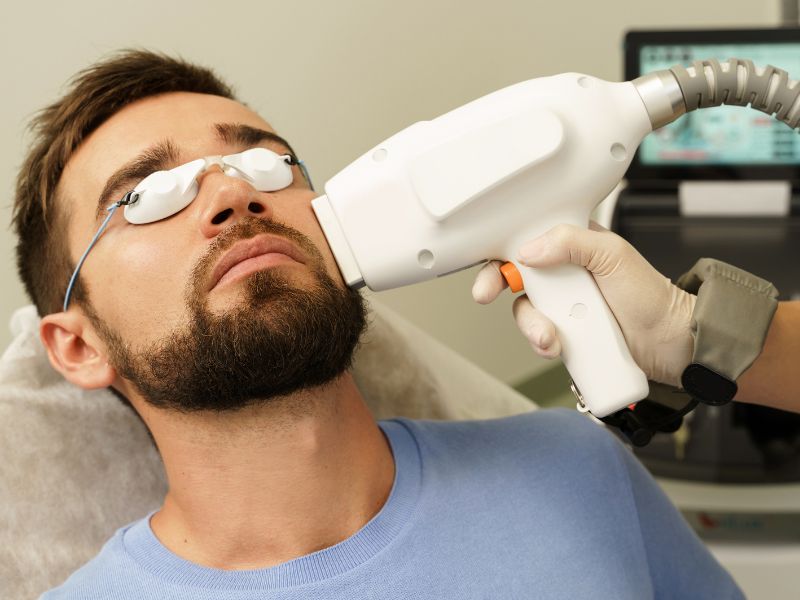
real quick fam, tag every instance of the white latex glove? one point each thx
(654, 315)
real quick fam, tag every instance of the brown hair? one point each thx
(94, 95)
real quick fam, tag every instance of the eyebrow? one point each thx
(239, 134)
(165, 153)
(155, 158)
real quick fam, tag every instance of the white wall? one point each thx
(337, 77)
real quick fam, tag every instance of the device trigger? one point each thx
(512, 276)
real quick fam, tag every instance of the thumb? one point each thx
(597, 249)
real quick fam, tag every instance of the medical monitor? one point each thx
(727, 142)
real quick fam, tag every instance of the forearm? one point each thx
(774, 378)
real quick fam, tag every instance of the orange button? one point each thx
(512, 276)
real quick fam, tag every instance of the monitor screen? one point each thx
(726, 135)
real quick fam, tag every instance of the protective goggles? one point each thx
(165, 193)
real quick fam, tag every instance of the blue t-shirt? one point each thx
(542, 505)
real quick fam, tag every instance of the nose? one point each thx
(225, 200)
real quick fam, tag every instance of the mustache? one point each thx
(243, 229)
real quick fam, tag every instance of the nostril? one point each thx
(220, 217)
(255, 208)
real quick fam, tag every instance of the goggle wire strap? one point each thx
(128, 198)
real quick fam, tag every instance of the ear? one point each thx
(73, 349)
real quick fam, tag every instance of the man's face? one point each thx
(171, 313)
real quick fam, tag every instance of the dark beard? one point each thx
(278, 340)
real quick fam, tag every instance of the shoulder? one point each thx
(553, 428)
(102, 577)
(566, 439)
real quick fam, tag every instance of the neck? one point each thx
(270, 483)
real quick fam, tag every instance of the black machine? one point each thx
(723, 184)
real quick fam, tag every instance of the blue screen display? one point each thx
(726, 135)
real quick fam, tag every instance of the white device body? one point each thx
(476, 183)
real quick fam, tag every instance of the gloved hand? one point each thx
(654, 314)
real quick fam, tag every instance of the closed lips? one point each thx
(259, 251)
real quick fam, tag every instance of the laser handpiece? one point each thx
(479, 181)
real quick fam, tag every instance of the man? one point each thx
(227, 327)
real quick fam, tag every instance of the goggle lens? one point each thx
(165, 193)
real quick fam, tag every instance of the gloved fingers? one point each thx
(597, 249)
(653, 314)
(538, 329)
(488, 283)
